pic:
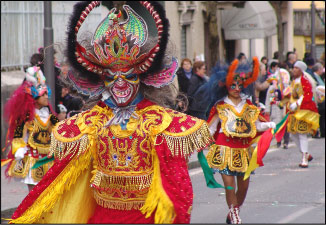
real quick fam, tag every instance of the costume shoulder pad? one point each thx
(68, 139)
(185, 134)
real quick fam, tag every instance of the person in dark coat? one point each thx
(184, 74)
(197, 80)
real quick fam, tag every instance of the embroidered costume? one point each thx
(303, 117)
(30, 133)
(125, 159)
(234, 129)
(235, 124)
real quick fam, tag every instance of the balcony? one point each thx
(302, 23)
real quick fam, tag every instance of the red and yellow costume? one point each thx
(29, 129)
(37, 133)
(106, 172)
(305, 119)
(234, 132)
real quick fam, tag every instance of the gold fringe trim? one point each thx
(129, 204)
(63, 182)
(219, 157)
(186, 145)
(128, 183)
(62, 149)
(157, 197)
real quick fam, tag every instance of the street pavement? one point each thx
(279, 192)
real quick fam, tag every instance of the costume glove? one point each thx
(20, 153)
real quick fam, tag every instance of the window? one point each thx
(183, 41)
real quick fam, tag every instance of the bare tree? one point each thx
(277, 5)
(212, 49)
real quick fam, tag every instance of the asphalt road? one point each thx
(279, 192)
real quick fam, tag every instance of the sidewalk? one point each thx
(14, 192)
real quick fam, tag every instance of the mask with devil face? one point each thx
(123, 88)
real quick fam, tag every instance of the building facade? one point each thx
(302, 27)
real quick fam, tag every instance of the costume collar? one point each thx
(243, 101)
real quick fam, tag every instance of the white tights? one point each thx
(301, 140)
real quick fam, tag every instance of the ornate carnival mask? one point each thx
(122, 52)
(36, 82)
(242, 74)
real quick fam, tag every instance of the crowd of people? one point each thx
(119, 153)
(272, 83)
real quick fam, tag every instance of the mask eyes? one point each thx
(109, 79)
(233, 86)
(132, 77)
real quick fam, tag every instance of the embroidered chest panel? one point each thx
(40, 134)
(238, 124)
(297, 91)
(123, 157)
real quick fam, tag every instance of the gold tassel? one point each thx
(62, 149)
(157, 198)
(47, 199)
(186, 145)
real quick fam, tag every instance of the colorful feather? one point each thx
(254, 74)
(232, 69)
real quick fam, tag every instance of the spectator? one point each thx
(62, 96)
(242, 57)
(275, 55)
(184, 74)
(261, 85)
(290, 60)
(306, 56)
(75, 107)
(197, 80)
(272, 109)
(286, 82)
(318, 71)
(264, 60)
(272, 68)
(62, 112)
(310, 63)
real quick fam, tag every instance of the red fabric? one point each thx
(307, 102)
(54, 171)
(17, 108)
(109, 216)
(212, 113)
(263, 145)
(234, 142)
(176, 181)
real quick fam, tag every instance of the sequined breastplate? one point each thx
(40, 134)
(123, 163)
(238, 124)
